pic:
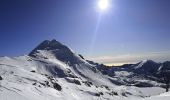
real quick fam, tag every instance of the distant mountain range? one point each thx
(52, 71)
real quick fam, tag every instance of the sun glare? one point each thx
(103, 4)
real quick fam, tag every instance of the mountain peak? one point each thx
(148, 61)
(50, 45)
(147, 67)
(54, 49)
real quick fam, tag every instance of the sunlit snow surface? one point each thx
(18, 80)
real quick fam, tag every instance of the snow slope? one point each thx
(52, 71)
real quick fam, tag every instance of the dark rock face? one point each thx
(99, 94)
(81, 56)
(33, 71)
(115, 93)
(87, 83)
(142, 84)
(1, 78)
(77, 82)
(57, 86)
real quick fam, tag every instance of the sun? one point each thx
(103, 4)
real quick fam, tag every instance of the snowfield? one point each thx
(52, 71)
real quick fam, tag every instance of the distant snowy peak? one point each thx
(54, 49)
(145, 63)
(147, 66)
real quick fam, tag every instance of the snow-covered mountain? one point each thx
(146, 73)
(52, 71)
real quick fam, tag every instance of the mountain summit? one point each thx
(54, 49)
(49, 45)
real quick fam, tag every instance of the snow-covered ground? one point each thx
(47, 75)
(19, 76)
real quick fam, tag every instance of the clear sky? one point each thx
(127, 32)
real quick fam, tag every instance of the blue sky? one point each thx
(128, 29)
